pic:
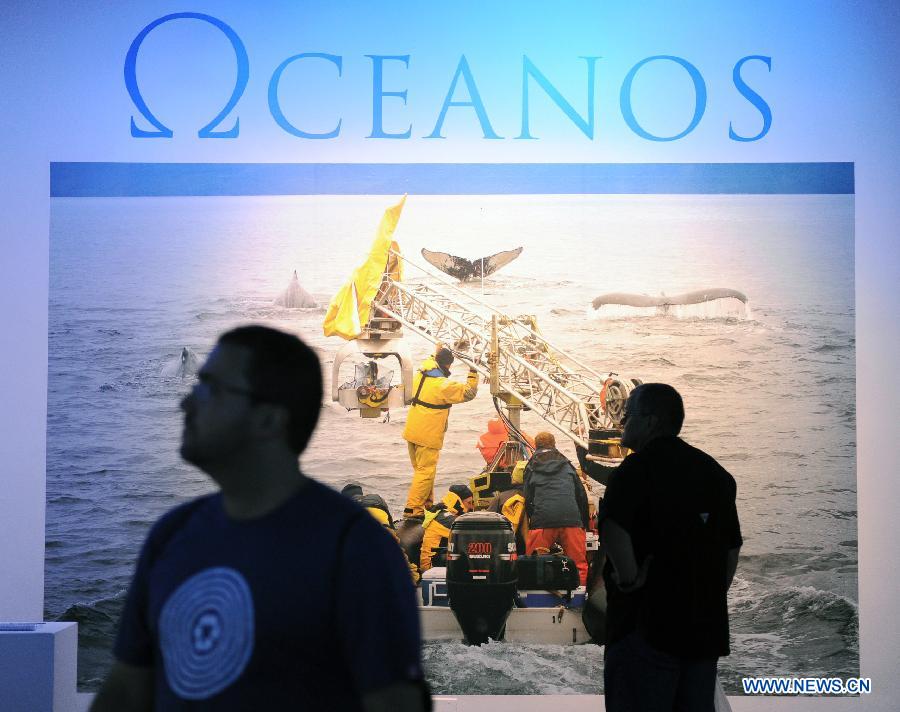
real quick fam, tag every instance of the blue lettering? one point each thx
(378, 94)
(243, 74)
(753, 98)
(586, 127)
(462, 70)
(275, 107)
(699, 103)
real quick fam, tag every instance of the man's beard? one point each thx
(206, 458)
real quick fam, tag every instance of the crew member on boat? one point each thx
(439, 519)
(375, 505)
(556, 503)
(511, 504)
(426, 424)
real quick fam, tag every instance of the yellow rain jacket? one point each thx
(380, 516)
(437, 532)
(437, 524)
(511, 504)
(453, 503)
(434, 393)
(513, 508)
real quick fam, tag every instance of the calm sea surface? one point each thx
(769, 390)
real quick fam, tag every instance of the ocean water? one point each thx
(769, 388)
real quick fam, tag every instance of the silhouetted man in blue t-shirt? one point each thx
(276, 592)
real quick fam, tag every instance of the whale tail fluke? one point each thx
(628, 300)
(642, 300)
(464, 269)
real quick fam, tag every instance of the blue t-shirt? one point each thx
(309, 607)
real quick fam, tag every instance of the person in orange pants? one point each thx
(572, 541)
(556, 503)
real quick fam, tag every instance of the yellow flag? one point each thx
(349, 310)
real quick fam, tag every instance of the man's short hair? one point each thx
(663, 401)
(544, 440)
(285, 371)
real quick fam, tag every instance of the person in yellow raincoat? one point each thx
(375, 505)
(427, 423)
(511, 504)
(439, 519)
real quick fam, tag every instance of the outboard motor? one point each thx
(481, 574)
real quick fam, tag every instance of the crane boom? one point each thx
(528, 367)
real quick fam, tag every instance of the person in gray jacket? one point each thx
(556, 503)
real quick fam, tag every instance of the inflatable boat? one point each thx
(487, 592)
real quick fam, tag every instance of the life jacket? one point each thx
(429, 410)
(490, 442)
(493, 439)
(437, 524)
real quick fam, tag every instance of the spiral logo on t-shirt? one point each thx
(206, 633)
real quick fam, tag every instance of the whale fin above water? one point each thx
(642, 300)
(464, 269)
(295, 297)
(186, 364)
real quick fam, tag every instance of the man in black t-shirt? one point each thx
(670, 529)
(274, 593)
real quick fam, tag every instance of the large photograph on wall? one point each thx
(744, 301)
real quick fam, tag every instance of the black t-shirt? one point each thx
(307, 608)
(678, 505)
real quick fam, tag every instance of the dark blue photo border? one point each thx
(101, 179)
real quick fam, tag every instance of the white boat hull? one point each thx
(551, 626)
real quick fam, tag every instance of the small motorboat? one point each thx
(487, 592)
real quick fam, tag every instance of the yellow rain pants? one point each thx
(424, 461)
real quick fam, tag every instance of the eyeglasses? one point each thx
(207, 387)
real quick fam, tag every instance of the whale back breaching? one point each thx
(295, 297)
(464, 269)
(642, 300)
